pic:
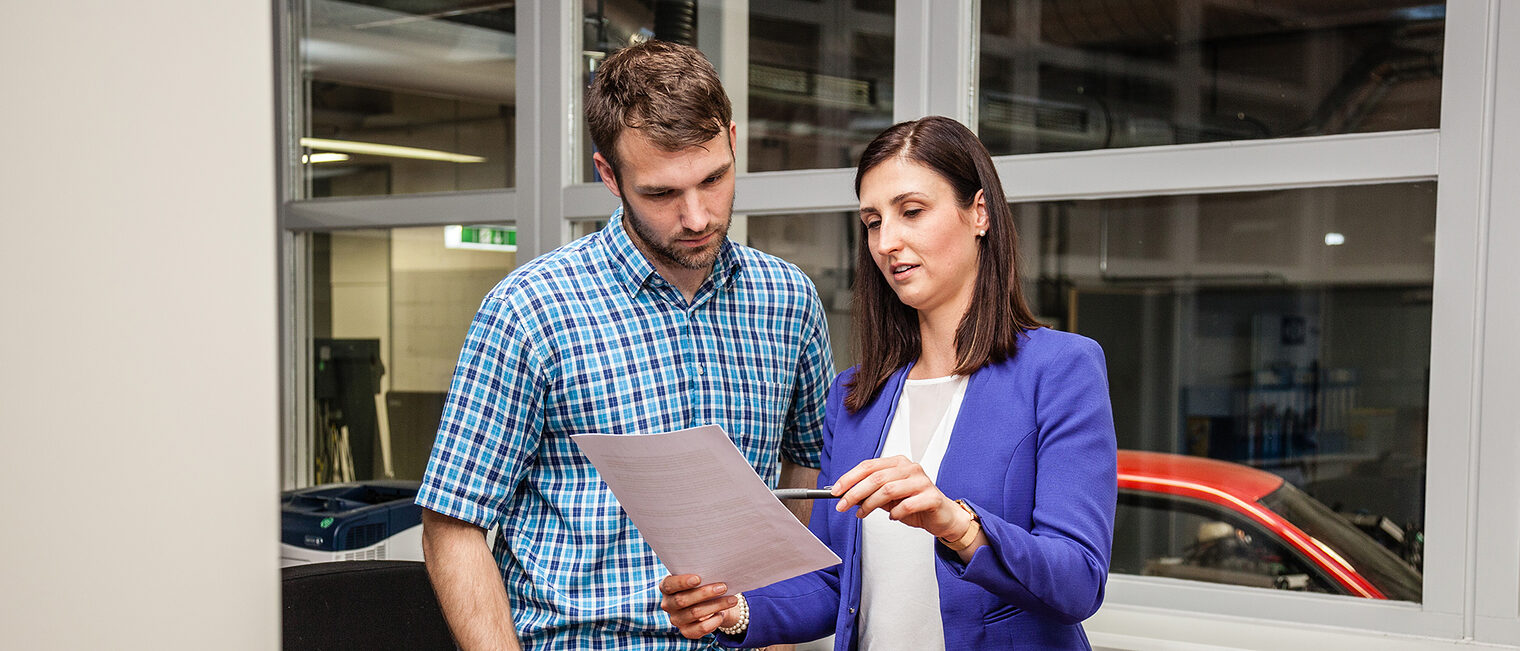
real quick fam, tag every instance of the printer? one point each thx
(369, 520)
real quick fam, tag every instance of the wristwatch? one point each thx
(970, 536)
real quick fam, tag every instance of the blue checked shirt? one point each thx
(588, 338)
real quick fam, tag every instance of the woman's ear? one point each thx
(979, 205)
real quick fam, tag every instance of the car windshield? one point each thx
(1390, 574)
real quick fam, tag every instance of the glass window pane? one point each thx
(820, 72)
(611, 25)
(822, 245)
(820, 82)
(1283, 333)
(405, 97)
(1059, 75)
(390, 309)
(1192, 539)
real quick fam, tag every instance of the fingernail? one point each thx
(719, 588)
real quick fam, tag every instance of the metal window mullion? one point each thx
(296, 440)
(1203, 602)
(1451, 501)
(588, 201)
(723, 35)
(935, 57)
(548, 73)
(1179, 169)
(472, 207)
(800, 191)
(1221, 167)
(293, 269)
(910, 60)
(1495, 569)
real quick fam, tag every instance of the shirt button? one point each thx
(701, 370)
(852, 611)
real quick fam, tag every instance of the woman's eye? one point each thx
(912, 212)
(873, 224)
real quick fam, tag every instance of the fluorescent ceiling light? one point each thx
(1334, 239)
(324, 157)
(394, 151)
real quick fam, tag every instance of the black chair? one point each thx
(365, 605)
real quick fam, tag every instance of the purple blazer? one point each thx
(1033, 452)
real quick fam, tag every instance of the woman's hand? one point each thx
(902, 489)
(694, 608)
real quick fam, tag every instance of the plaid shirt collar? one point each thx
(634, 272)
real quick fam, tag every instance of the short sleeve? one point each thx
(492, 419)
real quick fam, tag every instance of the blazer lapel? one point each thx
(966, 434)
(879, 421)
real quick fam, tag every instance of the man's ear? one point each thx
(604, 170)
(733, 139)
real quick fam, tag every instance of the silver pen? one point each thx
(802, 493)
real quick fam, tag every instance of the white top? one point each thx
(899, 596)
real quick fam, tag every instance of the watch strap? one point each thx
(969, 536)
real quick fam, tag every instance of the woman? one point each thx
(972, 451)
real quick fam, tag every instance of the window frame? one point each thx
(1472, 567)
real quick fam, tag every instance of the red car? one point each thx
(1208, 520)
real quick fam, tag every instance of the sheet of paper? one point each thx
(703, 509)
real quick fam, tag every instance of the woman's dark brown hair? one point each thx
(886, 330)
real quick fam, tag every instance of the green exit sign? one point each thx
(482, 238)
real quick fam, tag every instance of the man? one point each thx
(655, 323)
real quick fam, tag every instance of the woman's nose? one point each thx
(888, 237)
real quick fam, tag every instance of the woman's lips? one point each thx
(902, 271)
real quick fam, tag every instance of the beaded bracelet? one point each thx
(743, 623)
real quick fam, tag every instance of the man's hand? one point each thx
(694, 608)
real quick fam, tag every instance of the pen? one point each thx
(802, 493)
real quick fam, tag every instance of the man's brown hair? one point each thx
(669, 92)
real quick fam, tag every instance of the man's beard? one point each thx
(667, 252)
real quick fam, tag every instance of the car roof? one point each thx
(1239, 488)
(1242, 482)
(1236, 487)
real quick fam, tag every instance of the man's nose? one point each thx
(694, 214)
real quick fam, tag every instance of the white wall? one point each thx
(138, 377)
(361, 290)
(435, 292)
